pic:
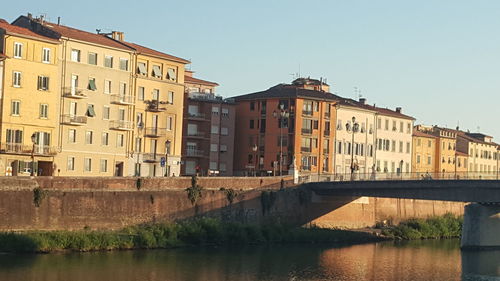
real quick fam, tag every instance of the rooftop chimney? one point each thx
(398, 109)
(362, 100)
(117, 35)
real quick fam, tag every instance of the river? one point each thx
(391, 261)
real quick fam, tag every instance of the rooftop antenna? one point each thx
(299, 71)
(98, 31)
(355, 92)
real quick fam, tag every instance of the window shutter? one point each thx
(39, 86)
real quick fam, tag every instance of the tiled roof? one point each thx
(190, 79)
(288, 91)
(21, 31)
(148, 51)
(388, 112)
(417, 133)
(460, 153)
(85, 36)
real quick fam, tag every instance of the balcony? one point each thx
(70, 119)
(307, 112)
(18, 148)
(154, 132)
(196, 135)
(120, 125)
(154, 106)
(151, 157)
(74, 93)
(122, 99)
(305, 149)
(195, 153)
(197, 116)
(306, 131)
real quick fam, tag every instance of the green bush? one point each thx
(446, 226)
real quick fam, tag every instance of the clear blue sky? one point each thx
(439, 60)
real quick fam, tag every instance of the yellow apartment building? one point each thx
(159, 98)
(96, 103)
(29, 101)
(424, 153)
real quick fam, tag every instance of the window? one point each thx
(90, 111)
(107, 86)
(44, 110)
(92, 59)
(138, 144)
(88, 164)
(105, 138)
(213, 165)
(46, 55)
(105, 112)
(222, 167)
(418, 159)
(408, 128)
(71, 164)
(156, 71)
(43, 83)
(140, 93)
(224, 131)
(225, 112)
(401, 127)
(170, 97)
(214, 147)
(393, 146)
(215, 129)
(104, 165)
(72, 136)
(108, 61)
(215, 110)
(121, 114)
(16, 79)
(156, 94)
(15, 108)
(88, 137)
(18, 50)
(429, 160)
(169, 123)
(123, 89)
(75, 55)
(92, 85)
(171, 75)
(408, 147)
(400, 147)
(386, 124)
(252, 106)
(124, 64)
(139, 120)
(252, 124)
(120, 140)
(223, 148)
(379, 123)
(141, 68)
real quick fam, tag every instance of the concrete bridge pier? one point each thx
(481, 228)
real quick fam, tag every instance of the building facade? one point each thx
(424, 153)
(208, 134)
(29, 101)
(482, 154)
(287, 127)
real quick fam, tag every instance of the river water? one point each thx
(391, 261)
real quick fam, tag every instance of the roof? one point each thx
(288, 91)
(85, 36)
(460, 153)
(417, 133)
(192, 80)
(23, 32)
(144, 50)
(388, 112)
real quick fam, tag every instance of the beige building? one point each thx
(29, 90)
(95, 100)
(482, 151)
(424, 153)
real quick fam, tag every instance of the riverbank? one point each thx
(447, 226)
(204, 231)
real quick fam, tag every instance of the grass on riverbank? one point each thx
(204, 231)
(447, 226)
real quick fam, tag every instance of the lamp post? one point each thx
(353, 130)
(254, 149)
(401, 168)
(167, 152)
(281, 116)
(33, 140)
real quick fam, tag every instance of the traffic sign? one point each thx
(162, 161)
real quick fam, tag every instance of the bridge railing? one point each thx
(380, 176)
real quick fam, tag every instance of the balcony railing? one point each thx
(197, 115)
(307, 112)
(154, 132)
(195, 153)
(121, 125)
(18, 148)
(122, 99)
(151, 157)
(75, 93)
(305, 149)
(306, 131)
(154, 106)
(196, 134)
(73, 119)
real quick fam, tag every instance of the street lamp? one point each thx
(254, 149)
(401, 168)
(281, 115)
(167, 152)
(353, 130)
(33, 140)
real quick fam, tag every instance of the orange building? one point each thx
(292, 122)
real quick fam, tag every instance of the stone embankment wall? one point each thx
(50, 203)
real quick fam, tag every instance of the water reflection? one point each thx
(422, 260)
(481, 265)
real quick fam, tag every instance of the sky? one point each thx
(438, 60)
